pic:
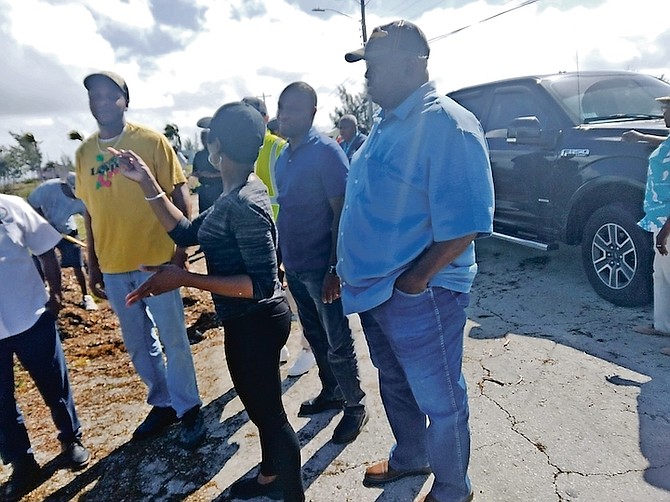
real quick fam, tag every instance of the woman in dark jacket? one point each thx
(238, 237)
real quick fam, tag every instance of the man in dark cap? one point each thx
(123, 234)
(56, 201)
(418, 193)
(208, 176)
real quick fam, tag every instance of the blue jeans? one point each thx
(416, 343)
(40, 352)
(327, 330)
(145, 326)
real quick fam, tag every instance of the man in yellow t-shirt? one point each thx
(123, 234)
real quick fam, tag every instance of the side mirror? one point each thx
(525, 130)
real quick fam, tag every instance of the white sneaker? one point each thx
(89, 303)
(303, 364)
(284, 355)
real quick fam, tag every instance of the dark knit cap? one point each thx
(240, 129)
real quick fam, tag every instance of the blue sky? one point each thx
(184, 58)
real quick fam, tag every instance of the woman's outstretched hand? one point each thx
(165, 278)
(132, 165)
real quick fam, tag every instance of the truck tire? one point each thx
(617, 257)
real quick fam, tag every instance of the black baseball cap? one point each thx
(399, 35)
(240, 129)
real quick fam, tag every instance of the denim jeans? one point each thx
(327, 330)
(145, 326)
(40, 352)
(252, 344)
(416, 343)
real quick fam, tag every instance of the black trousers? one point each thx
(252, 345)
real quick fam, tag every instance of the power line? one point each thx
(522, 4)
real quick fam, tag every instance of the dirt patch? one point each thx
(109, 396)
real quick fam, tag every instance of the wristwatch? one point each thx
(332, 270)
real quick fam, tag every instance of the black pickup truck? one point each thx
(562, 174)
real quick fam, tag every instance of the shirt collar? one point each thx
(309, 136)
(412, 101)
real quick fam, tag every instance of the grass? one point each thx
(22, 189)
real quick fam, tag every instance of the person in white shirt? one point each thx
(28, 330)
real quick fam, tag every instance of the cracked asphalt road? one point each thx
(567, 403)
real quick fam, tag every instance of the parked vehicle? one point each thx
(562, 173)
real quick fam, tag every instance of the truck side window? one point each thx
(509, 105)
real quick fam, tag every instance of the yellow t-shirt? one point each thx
(265, 165)
(127, 234)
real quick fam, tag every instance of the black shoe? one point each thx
(158, 419)
(193, 430)
(318, 405)
(250, 488)
(350, 426)
(75, 455)
(26, 476)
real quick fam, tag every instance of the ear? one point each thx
(213, 145)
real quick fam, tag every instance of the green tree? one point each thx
(22, 157)
(353, 104)
(75, 135)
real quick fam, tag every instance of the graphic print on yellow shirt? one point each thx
(125, 229)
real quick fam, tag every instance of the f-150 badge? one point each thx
(575, 152)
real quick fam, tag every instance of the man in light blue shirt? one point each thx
(55, 200)
(419, 192)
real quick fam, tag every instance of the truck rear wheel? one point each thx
(617, 257)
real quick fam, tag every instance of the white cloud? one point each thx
(256, 48)
(67, 32)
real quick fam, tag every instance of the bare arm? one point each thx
(51, 270)
(134, 168)
(330, 290)
(662, 238)
(634, 136)
(182, 201)
(415, 279)
(181, 198)
(169, 277)
(95, 281)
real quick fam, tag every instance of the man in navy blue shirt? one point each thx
(311, 177)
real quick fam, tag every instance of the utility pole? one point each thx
(363, 29)
(364, 32)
